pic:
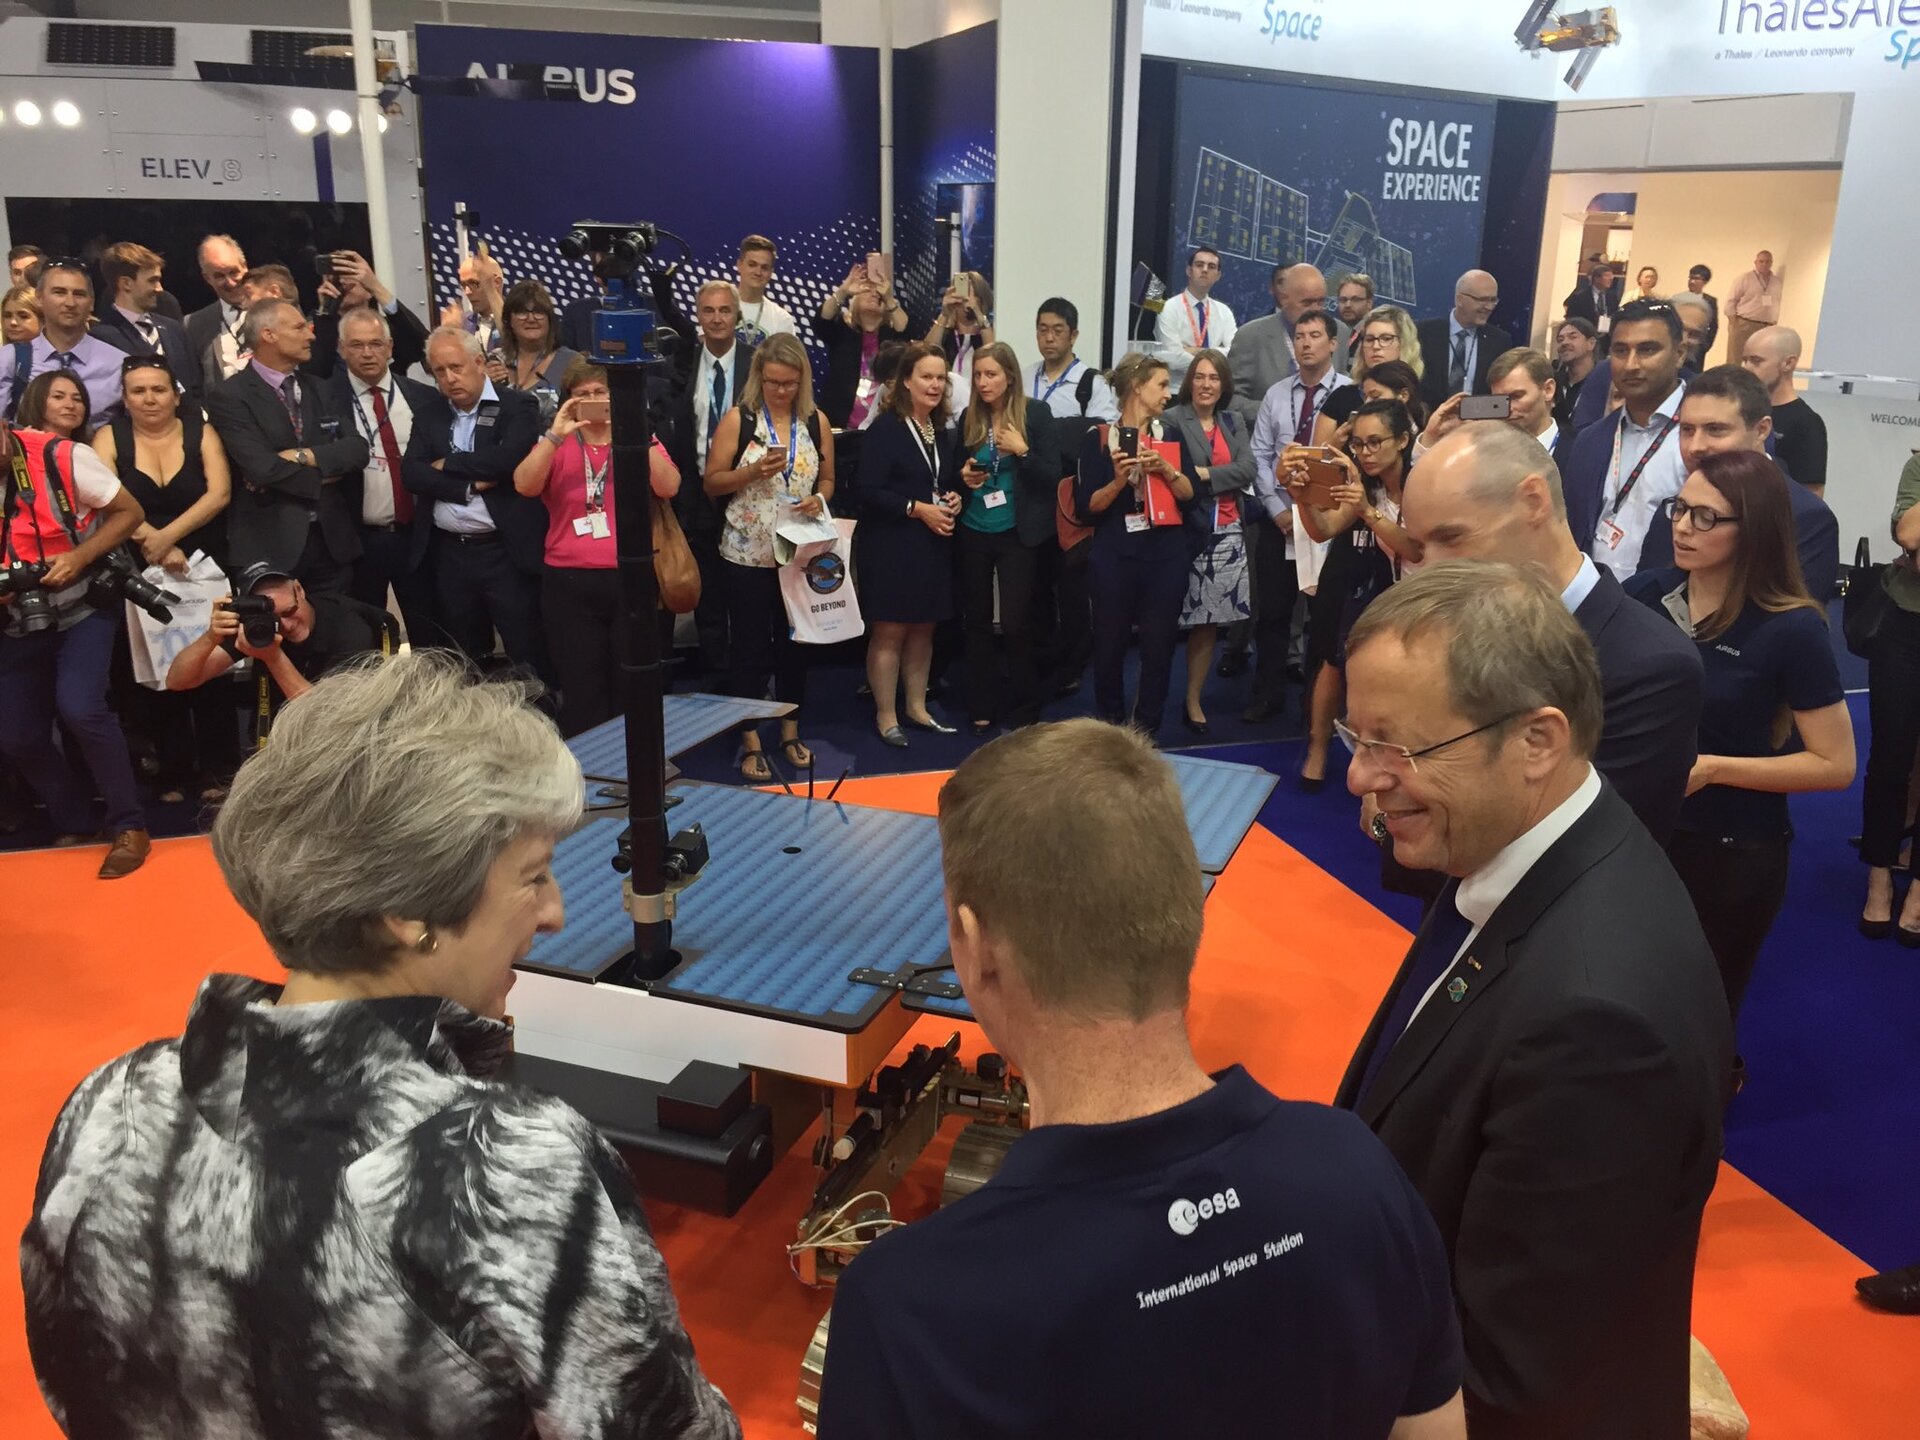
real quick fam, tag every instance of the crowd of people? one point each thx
(1576, 650)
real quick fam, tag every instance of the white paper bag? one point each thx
(817, 585)
(155, 643)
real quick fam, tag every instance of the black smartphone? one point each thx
(1127, 439)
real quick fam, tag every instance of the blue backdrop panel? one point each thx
(796, 896)
(714, 139)
(1276, 172)
(943, 135)
(1222, 801)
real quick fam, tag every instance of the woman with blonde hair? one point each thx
(1010, 470)
(1387, 335)
(771, 456)
(1139, 564)
(20, 316)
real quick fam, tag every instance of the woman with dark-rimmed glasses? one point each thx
(1769, 670)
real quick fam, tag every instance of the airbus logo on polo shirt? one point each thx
(1184, 1216)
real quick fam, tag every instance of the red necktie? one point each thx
(390, 448)
(1303, 432)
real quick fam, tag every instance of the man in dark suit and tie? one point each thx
(289, 452)
(1728, 409)
(395, 533)
(1458, 348)
(1550, 1063)
(130, 274)
(213, 331)
(488, 538)
(1594, 300)
(1489, 492)
(709, 372)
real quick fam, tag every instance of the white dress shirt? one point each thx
(1483, 892)
(1181, 322)
(376, 491)
(1581, 586)
(765, 317)
(227, 353)
(1622, 531)
(703, 394)
(471, 516)
(1062, 395)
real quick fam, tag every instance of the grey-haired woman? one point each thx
(314, 1213)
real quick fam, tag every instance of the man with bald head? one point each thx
(214, 330)
(1489, 492)
(1753, 304)
(1460, 347)
(1262, 352)
(1799, 434)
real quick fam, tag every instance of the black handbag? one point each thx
(1866, 603)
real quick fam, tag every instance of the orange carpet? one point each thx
(1290, 969)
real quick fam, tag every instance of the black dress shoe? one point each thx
(1908, 938)
(1895, 1291)
(1875, 929)
(1195, 727)
(1310, 786)
(1233, 663)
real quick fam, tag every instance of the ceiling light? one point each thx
(304, 120)
(339, 122)
(27, 113)
(66, 113)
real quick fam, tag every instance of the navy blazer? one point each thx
(508, 428)
(1651, 687)
(419, 397)
(1436, 356)
(1557, 1105)
(274, 500)
(1592, 404)
(182, 361)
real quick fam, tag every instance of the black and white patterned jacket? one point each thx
(323, 1222)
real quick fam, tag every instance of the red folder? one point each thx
(1161, 507)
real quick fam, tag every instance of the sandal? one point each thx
(793, 749)
(754, 767)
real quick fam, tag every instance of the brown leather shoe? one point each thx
(128, 854)
(75, 840)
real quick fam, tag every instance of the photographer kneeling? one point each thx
(296, 636)
(63, 513)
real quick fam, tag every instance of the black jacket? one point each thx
(1816, 540)
(840, 386)
(1436, 355)
(1036, 484)
(1561, 1118)
(699, 512)
(273, 498)
(1581, 305)
(507, 429)
(1650, 683)
(182, 362)
(409, 342)
(419, 398)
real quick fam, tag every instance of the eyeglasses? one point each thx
(1379, 339)
(1699, 516)
(142, 362)
(1493, 299)
(1398, 758)
(1369, 445)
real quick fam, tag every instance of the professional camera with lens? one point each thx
(117, 577)
(259, 622)
(32, 608)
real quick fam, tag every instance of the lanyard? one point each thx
(793, 440)
(596, 479)
(930, 451)
(1619, 433)
(1040, 373)
(367, 427)
(1199, 327)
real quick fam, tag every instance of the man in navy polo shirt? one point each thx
(1167, 1252)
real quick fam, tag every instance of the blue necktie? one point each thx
(717, 405)
(1433, 957)
(1457, 372)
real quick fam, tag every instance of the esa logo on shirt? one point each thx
(1184, 1216)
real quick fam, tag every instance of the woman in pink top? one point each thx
(571, 470)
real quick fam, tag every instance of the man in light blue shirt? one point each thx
(1056, 378)
(66, 303)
